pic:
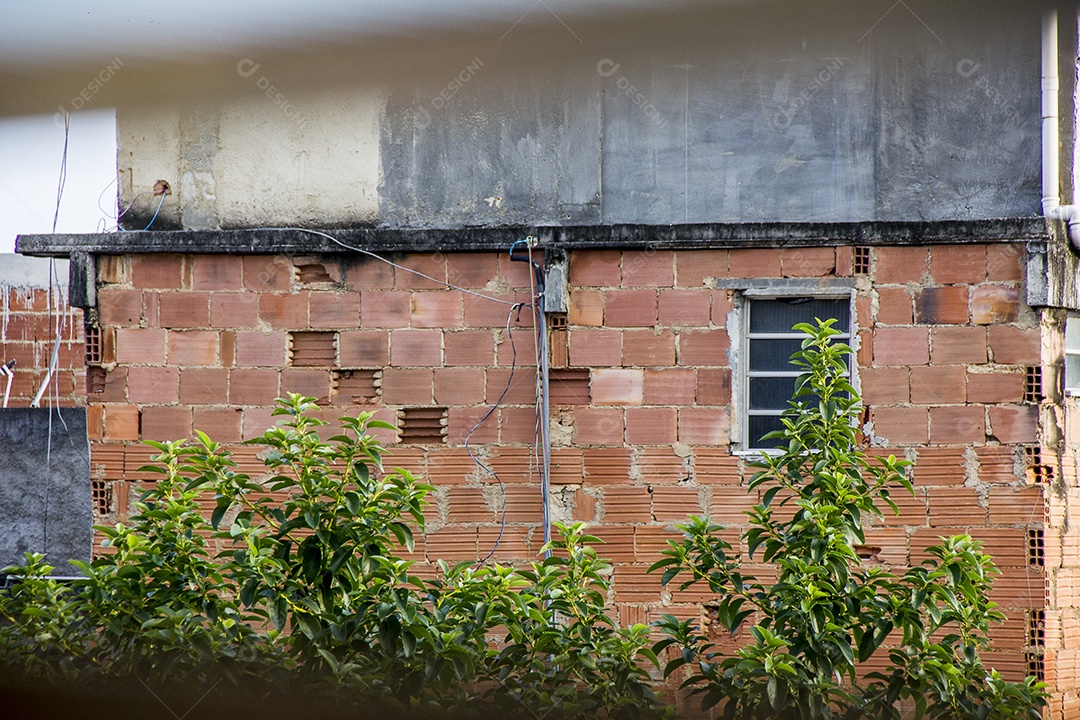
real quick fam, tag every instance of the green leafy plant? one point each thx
(826, 614)
(301, 579)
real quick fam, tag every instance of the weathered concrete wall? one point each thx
(816, 115)
(816, 112)
(248, 164)
(45, 500)
(1053, 269)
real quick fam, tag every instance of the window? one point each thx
(768, 377)
(1072, 355)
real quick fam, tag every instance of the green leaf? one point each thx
(309, 625)
(311, 557)
(381, 424)
(219, 512)
(330, 660)
(352, 502)
(279, 612)
(845, 650)
(772, 693)
(342, 554)
(403, 535)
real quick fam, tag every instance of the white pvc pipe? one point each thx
(5, 371)
(1051, 151)
(1050, 87)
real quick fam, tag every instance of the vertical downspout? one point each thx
(1051, 152)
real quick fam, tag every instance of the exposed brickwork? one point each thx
(641, 439)
(29, 319)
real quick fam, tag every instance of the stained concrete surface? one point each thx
(45, 503)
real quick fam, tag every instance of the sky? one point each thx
(31, 151)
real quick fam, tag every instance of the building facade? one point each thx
(691, 185)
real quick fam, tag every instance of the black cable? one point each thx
(514, 307)
(542, 401)
(502, 487)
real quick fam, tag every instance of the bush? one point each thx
(313, 594)
(298, 582)
(827, 613)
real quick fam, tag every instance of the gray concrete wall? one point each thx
(778, 111)
(45, 486)
(813, 116)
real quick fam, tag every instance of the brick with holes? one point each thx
(422, 425)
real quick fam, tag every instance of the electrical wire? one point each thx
(132, 203)
(514, 307)
(53, 282)
(60, 415)
(5, 371)
(160, 203)
(117, 228)
(502, 487)
(52, 262)
(62, 180)
(56, 341)
(542, 429)
(545, 417)
(380, 258)
(543, 411)
(48, 483)
(103, 210)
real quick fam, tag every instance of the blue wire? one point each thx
(160, 203)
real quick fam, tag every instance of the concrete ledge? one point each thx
(475, 239)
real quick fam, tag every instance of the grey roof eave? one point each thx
(272, 241)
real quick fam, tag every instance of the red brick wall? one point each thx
(945, 346)
(27, 333)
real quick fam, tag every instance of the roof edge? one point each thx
(698, 236)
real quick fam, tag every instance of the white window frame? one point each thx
(1072, 384)
(739, 322)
